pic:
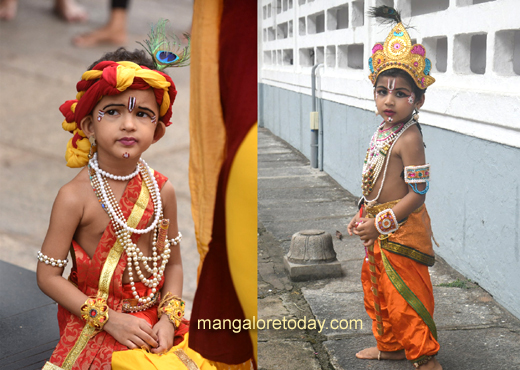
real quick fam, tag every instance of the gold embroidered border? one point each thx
(87, 333)
(408, 295)
(106, 277)
(186, 360)
(411, 253)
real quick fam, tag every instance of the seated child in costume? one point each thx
(121, 218)
(393, 223)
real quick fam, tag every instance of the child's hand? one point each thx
(165, 332)
(353, 224)
(130, 331)
(366, 230)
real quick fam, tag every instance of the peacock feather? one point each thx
(385, 14)
(165, 47)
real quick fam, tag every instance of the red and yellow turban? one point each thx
(111, 78)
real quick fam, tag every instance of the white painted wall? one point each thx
(474, 48)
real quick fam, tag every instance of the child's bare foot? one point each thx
(8, 9)
(70, 11)
(433, 364)
(373, 353)
(104, 35)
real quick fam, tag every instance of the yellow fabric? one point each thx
(77, 157)
(241, 226)
(143, 360)
(207, 131)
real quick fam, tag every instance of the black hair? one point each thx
(139, 57)
(396, 72)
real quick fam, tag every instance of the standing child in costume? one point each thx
(118, 217)
(393, 222)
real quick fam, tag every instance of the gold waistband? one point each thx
(374, 210)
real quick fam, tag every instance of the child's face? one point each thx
(125, 125)
(395, 100)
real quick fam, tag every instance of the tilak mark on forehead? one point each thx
(131, 104)
(391, 85)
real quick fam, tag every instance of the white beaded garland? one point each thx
(124, 235)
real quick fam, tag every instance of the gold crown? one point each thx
(398, 52)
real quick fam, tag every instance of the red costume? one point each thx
(86, 274)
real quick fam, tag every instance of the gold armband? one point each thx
(95, 312)
(173, 307)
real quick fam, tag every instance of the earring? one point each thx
(92, 141)
(416, 115)
(376, 112)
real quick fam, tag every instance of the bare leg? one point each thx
(114, 32)
(8, 9)
(70, 11)
(373, 353)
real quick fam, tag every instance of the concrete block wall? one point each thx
(470, 118)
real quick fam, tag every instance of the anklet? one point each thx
(421, 361)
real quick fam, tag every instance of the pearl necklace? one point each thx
(380, 148)
(94, 164)
(115, 212)
(124, 236)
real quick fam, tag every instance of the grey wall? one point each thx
(474, 196)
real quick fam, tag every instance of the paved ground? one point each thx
(39, 71)
(474, 331)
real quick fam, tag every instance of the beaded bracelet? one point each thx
(386, 222)
(173, 307)
(51, 261)
(95, 312)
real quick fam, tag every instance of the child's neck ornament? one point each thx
(398, 51)
(95, 166)
(380, 148)
(160, 245)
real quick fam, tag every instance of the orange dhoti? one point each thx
(404, 290)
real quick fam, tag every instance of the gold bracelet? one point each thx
(173, 307)
(95, 312)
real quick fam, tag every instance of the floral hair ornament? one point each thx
(113, 78)
(398, 51)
